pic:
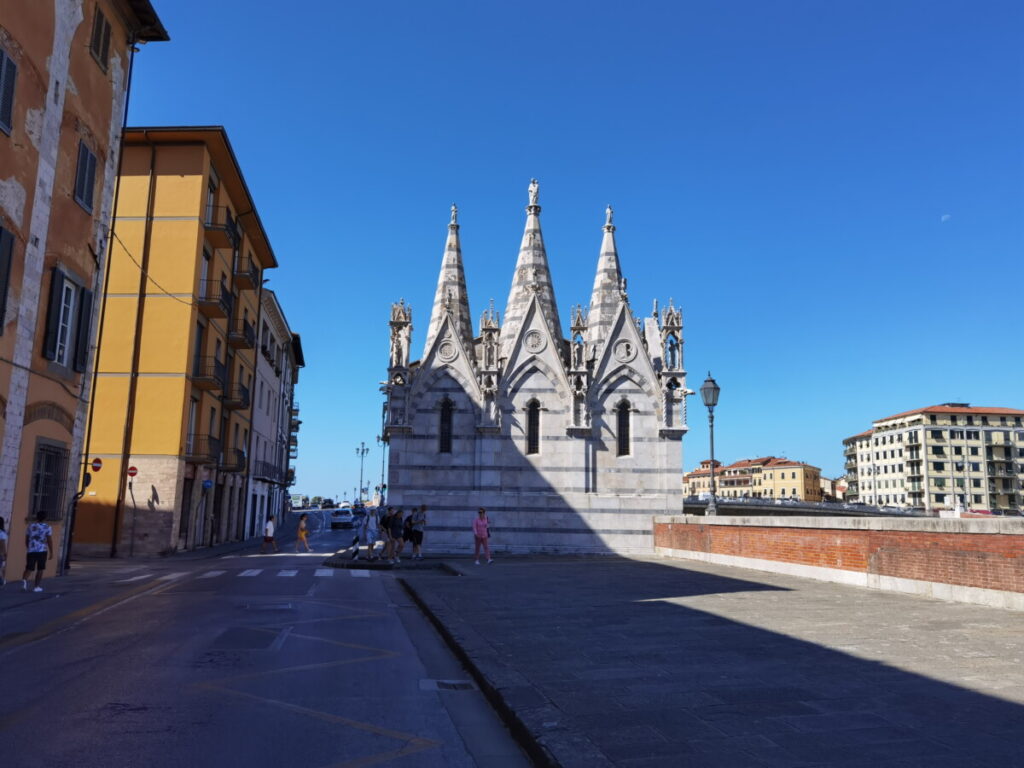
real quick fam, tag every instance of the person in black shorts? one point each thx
(38, 543)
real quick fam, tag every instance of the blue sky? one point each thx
(832, 191)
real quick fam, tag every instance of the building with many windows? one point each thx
(768, 477)
(570, 443)
(178, 349)
(275, 415)
(63, 88)
(944, 457)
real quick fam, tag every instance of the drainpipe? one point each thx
(133, 382)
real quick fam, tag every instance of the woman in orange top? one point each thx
(303, 535)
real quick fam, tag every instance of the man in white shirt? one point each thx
(268, 536)
(38, 543)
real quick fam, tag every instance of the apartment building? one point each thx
(769, 477)
(952, 456)
(63, 89)
(275, 419)
(177, 350)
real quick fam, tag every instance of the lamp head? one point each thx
(709, 391)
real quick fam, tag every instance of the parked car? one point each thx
(342, 517)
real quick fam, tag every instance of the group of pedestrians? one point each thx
(395, 529)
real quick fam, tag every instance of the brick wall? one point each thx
(963, 553)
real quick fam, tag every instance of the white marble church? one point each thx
(571, 444)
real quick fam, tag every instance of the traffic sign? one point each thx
(97, 465)
(132, 471)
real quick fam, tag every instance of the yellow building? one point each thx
(768, 477)
(63, 87)
(177, 349)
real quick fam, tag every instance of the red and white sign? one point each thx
(132, 471)
(97, 465)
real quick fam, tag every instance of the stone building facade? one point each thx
(570, 443)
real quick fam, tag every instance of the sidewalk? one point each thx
(609, 661)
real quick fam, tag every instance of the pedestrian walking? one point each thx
(419, 522)
(3, 552)
(482, 536)
(385, 532)
(268, 536)
(396, 536)
(367, 534)
(303, 533)
(38, 543)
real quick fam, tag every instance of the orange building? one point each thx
(64, 72)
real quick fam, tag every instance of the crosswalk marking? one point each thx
(364, 574)
(134, 578)
(212, 574)
(172, 576)
(324, 571)
(286, 573)
(251, 572)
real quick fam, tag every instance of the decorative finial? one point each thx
(534, 192)
(655, 312)
(608, 213)
(455, 214)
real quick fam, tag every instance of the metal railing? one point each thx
(203, 449)
(215, 299)
(221, 226)
(209, 373)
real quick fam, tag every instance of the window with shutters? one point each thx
(622, 428)
(47, 491)
(445, 428)
(8, 74)
(533, 427)
(85, 177)
(99, 45)
(65, 322)
(6, 256)
(68, 323)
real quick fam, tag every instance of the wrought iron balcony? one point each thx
(269, 471)
(215, 300)
(242, 335)
(236, 398)
(209, 373)
(247, 274)
(202, 449)
(233, 460)
(221, 228)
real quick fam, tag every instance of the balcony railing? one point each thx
(247, 274)
(233, 460)
(209, 373)
(242, 335)
(268, 470)
(215, 300)
(236, 398)
(202, 449)
(221, 228)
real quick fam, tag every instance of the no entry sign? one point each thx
(97, 465)
(132, 471)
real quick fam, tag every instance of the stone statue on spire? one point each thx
(455, 215)
(608, 216)
(534, 192)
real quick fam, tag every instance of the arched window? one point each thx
(533, 427)
(445, 428)
(622, 423)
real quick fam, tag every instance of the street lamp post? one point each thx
(361, 452)
(383, 452)
(709, 394)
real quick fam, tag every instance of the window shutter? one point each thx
(53, 315)
(83, 162)
(6, 253)
(90, 178)
(105, 46)
(8, 73)
(84, 326)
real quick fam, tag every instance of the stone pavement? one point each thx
(609, 661)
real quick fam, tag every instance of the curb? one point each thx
(532, 719)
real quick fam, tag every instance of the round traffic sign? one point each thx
(97, 465)
(132, 471)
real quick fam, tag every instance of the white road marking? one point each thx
(212, 574)
(134, 578)
(172, 576)
(286, 573)
(363, 574)
(251, 572)
(324, 571)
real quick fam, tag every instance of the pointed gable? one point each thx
(451, 298)
(624, 355)
(536, 347)
(532, 278)
(448, 355)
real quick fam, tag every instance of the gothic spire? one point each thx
(451, 297)
(532, 277)
(604, 301)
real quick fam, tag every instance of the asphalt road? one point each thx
(248, 660)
